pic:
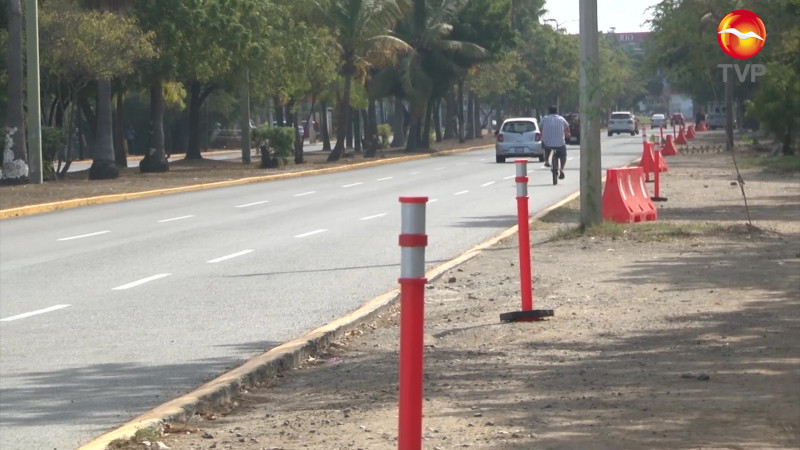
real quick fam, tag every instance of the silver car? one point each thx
(622, 122)
(518, 137)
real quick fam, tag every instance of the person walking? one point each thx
(555, 132)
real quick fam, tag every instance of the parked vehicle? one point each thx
(658, 120)
(715, 115)
(677, 119)
(574, 120)
(622, 122)
(519, 137)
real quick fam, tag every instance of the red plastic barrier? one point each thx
(625, 197)
(669, 148)
(703, 126)
(690, 132)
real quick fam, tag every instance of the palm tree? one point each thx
(103, 164)
(360, 27)
(435, 62)
(15, 165)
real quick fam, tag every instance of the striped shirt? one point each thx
(553, 127)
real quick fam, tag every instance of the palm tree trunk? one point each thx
(460, 109)
(193, 152)
(437, 120)
(343, 119)
(470, 117)
(326, 137)
(372, 130)
(120, 155)
(476, 118)
(451, 115)
(399, 138)
(103, 167)
(298, 142)
(426, 132)
(15, 155)
(155, 159)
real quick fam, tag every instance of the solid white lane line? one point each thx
(305, 193)
(174, 219)
(384, 179)
(140, 282)
(252, 204)
(487, 184)
(373, 217)
(352, 184)
(232, 255)
(33, 313)
(460, 192)
(84, 235)
(311, 233)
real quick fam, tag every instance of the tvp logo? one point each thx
(741, 34)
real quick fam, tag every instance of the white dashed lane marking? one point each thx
(460, 193)
(305, 193)
(33, 313)
(97, 233)
(352, 184)
(252, 204)
(373, 216)
(140, 282)
(231, 256)
(175, 218)
(487, 184)
(311, 233)
(384, 179)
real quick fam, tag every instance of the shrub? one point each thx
(281, 140)
(384, 132)
(53, 140)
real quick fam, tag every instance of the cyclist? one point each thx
(555, 132)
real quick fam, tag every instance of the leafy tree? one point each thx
(15, 159)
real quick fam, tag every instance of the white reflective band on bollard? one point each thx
(412, 237)
(522, 178)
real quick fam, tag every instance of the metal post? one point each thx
(412, 317)
(591, 184)
(34, 102)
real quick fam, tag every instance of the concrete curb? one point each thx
(224, 388)
(54, 206)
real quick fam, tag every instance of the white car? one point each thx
(518, 137)
(658, 120)
(622, 122)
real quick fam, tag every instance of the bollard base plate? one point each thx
(658, 199)
(526, 316)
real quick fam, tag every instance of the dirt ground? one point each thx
(679, 333)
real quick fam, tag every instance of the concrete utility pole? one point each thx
(244, 104)
(34, 102)
(729, 114)
(591, 183)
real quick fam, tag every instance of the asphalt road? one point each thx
(108, 311)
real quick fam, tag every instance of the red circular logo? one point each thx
(741, 34)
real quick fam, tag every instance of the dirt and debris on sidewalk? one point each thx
(680, 333)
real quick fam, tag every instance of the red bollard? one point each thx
(412, 318)
(526, 286)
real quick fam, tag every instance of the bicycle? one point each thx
(554, 161)
(554, 168)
